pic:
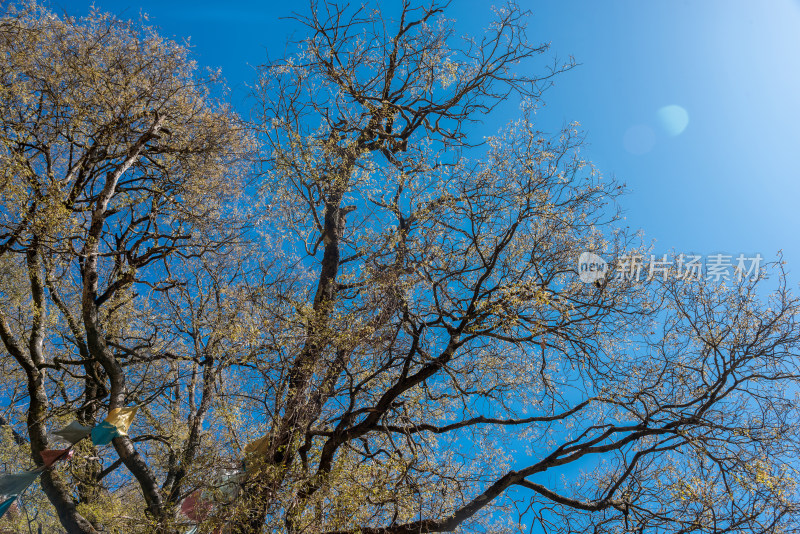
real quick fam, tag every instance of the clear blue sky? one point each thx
(726, 182)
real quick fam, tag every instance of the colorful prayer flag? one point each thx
(52, 456)
(195, 507)
(17, 484)
(103, 433)
(73, 432)
(258, 446)
(122, 418)
(231, 482)
(5, 505)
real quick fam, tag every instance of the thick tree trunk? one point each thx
(265, 483)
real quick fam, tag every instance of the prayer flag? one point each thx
(122, 418)
(258, 446)
(103, 433)
(52, 456)
(73, 432)
(5, 505)
(231, 482)
(16, 484)
(195, 507)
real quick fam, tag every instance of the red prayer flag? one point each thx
(195, 508)
(51, 456)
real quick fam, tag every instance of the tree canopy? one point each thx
(351, 312)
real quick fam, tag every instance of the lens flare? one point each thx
(673, 119)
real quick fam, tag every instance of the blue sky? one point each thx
(727, 182)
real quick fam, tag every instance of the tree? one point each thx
(399, 342)
(445, 326)
(117, 168)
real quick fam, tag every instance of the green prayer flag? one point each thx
(16, 484)
(73, 432)
(231, 482)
